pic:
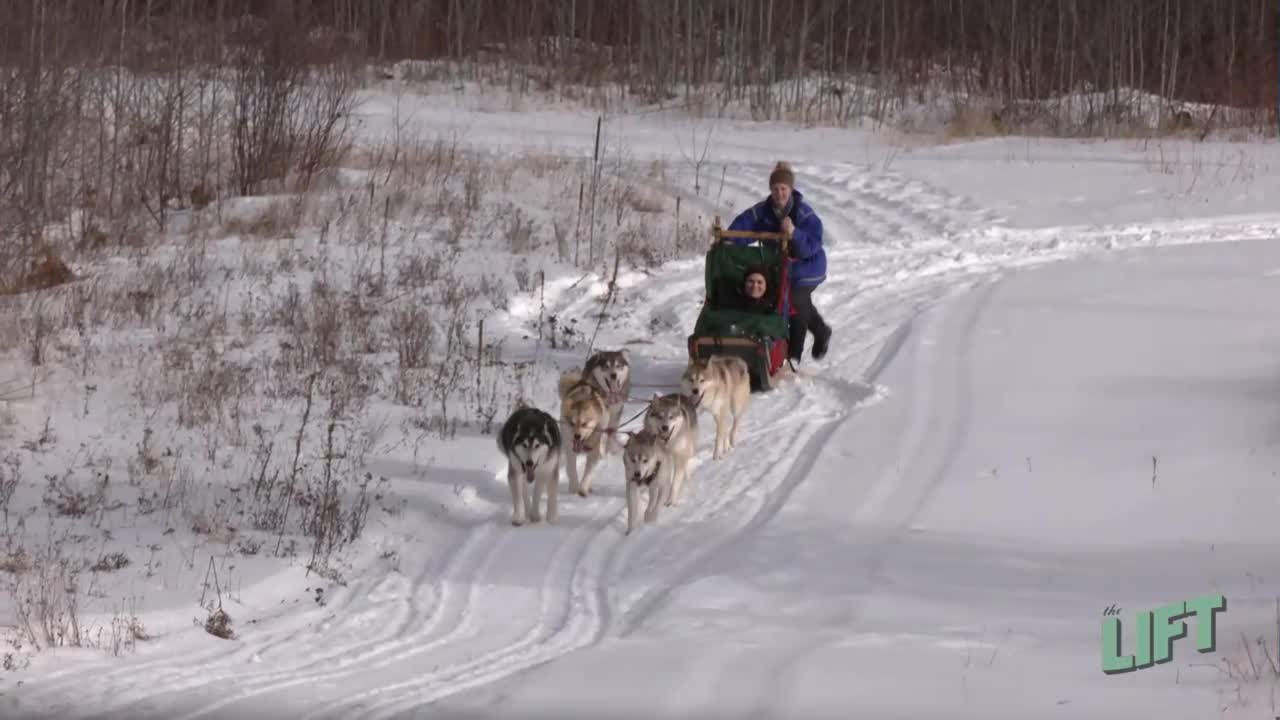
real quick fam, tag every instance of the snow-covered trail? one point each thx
(921, 569)
(476, 602)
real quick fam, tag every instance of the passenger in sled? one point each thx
(754, 295)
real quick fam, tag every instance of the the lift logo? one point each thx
(1155, 632)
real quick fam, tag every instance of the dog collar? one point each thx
(647, 479)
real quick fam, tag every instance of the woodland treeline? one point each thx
(1203, 51)
(126, 108)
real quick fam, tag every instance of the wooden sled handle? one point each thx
(718, 233)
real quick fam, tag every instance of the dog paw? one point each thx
(535, 517)
(583, 492)
(517, 520)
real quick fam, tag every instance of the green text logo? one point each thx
(1155, 632)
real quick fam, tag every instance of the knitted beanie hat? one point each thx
(782, 173)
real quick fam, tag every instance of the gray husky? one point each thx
(530, 438)
(673, 419)
(648, 465)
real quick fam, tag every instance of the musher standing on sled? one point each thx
(786, 211)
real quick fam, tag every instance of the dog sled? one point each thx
(723, 329)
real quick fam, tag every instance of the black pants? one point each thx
(806, 320)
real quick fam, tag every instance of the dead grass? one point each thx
(46, 270)
(272, 220)
(1253, 672)
(973, 121)
(261, 350)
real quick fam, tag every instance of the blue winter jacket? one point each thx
(809, 269)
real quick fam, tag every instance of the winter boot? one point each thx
(821, 341)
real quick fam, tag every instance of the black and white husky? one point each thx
(530, 438)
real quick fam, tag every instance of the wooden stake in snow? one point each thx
(595, 180)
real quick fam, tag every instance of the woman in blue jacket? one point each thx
(786, 211)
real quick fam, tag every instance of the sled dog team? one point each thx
(655, 458)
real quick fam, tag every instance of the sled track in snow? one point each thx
(451, 627)
(134, 682)
(406, 626)
(841, 397)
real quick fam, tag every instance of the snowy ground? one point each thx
(928, 525)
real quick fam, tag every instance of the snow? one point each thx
(1052, 388)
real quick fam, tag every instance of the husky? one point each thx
(531, 440)
(648, 465)
(673, 419)
(610, 370)
(720, 384)
(584, 410)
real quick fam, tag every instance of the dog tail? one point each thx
(568, 380)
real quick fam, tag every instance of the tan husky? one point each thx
(720, 384)
(610, 370)
(673, 420)
(584, 414)
(649, 466)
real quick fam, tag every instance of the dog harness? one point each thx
(583, 446)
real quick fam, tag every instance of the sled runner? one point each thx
(722, 328)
